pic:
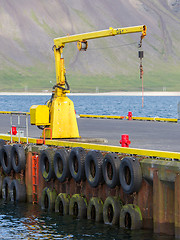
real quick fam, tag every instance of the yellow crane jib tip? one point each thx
(144, 32)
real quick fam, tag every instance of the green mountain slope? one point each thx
(28, 27)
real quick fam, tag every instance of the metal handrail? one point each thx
(19, 127)
(44, 138)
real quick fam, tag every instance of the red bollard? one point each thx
(129, 115)
(14, 131)
(125, 140)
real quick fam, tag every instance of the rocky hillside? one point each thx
(28, 27)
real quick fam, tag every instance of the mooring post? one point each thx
(177, 206)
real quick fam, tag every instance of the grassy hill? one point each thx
(28, 27)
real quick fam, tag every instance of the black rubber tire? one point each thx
(5, 156)
(17, 191)
(110, 169)
(95, 209)
(18, 158)
(93, 168)
(48, 199)
(130, 175)
(47, 164)
(6, 188)
(2, 143)
(111, 210)
(78, 206)
(1, 182)
(62, 204)
(61, 167)
(130, 217)
(76, 163)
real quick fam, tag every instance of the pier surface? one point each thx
(142, 134)
(164, 136)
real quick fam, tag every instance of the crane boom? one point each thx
(60, 42)
(81, 39)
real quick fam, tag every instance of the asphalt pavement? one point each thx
(163, 136)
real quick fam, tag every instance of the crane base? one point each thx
(63, 122)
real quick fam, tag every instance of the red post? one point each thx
(125, 140)
(14, 131)
(129, 115)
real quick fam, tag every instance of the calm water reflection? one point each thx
(27, 221)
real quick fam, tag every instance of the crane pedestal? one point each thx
(62, 119)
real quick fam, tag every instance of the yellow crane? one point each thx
(58, 118)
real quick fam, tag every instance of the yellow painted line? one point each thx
(155, 119)
(133, 118)
(100, 116)
(7, 137)
(5, 112)
(106, 148)
(14, 112)
(166, 119)
(143, 118)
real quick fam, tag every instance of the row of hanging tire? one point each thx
(110, 212)
(92, 166)
(12, 157)
(12, 190)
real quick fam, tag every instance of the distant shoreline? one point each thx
(93, 94)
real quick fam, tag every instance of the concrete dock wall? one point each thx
(157, 199)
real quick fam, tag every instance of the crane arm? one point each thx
(60, 42)
(82, 44)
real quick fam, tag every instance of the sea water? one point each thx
(28, 221)
(154, 106)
